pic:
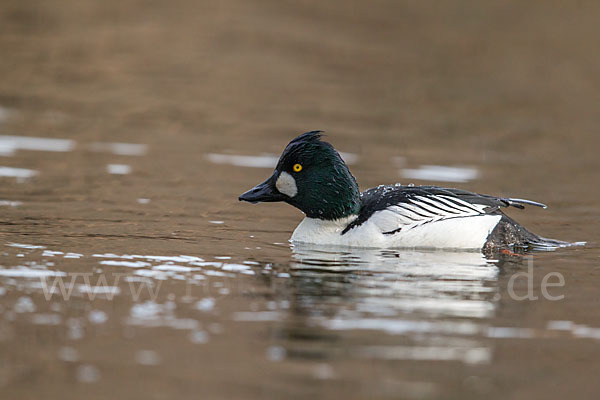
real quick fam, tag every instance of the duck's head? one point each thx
(311, 176)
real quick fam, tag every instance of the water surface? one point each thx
(128, 269)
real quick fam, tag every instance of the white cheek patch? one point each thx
(286, 184)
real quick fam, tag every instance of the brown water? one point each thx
(179, 291)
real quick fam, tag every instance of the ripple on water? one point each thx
(25, 246)
(119, 148)
(468, 355)
(46, 319)
(10, 144)
(441, 173)
(21, 174)
(128, 264)
(118, 169)
(147, 357)
(198, 337)
(24, 304)
(97, 317)
(68, 354)
(9, 203)
(152, 314)
(207, 304)
(87, 373)
(26, 272)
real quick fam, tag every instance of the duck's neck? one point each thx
(338, 197)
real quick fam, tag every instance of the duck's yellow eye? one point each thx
(297, 167)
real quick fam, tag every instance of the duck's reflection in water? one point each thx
(405, 304)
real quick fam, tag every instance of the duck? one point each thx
(312, 176)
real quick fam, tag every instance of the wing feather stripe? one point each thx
(417, 210)
(419, 205)
(471, 206)
(432, 206)
(448, 201)
(404, 212)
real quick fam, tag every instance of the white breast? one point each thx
(468, 232)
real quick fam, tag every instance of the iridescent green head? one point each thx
(311, 176)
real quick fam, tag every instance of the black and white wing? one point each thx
(396, 208)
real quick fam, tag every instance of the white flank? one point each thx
(456, 233)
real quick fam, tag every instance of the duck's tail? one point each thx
(516, 236)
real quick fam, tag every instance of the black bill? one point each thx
(263, 192)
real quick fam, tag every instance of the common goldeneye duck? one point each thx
(311, 176)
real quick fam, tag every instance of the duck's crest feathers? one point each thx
(312, 136)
